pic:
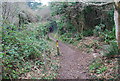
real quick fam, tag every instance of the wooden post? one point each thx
(58, 52)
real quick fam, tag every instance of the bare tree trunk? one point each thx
(117, 24)
(117, 21)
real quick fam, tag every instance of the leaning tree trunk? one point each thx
(117, 21)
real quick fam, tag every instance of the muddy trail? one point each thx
(73, 63)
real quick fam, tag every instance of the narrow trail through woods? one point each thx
(73, 63)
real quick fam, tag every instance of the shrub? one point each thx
(104, 34)
(111, 50)
(109, 35)
(20, 47)
(87, 33)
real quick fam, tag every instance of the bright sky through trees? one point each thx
(44, 2)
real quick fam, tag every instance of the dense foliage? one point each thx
(77, 20)
(21, 47)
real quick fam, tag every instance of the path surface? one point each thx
(73, 62)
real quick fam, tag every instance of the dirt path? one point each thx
(73, 62)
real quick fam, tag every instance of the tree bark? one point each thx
(117, 25)
(117, 21)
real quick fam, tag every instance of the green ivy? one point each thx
(20, 47)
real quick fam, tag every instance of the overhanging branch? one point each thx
(97, 3)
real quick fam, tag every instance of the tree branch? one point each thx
(97, 4)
